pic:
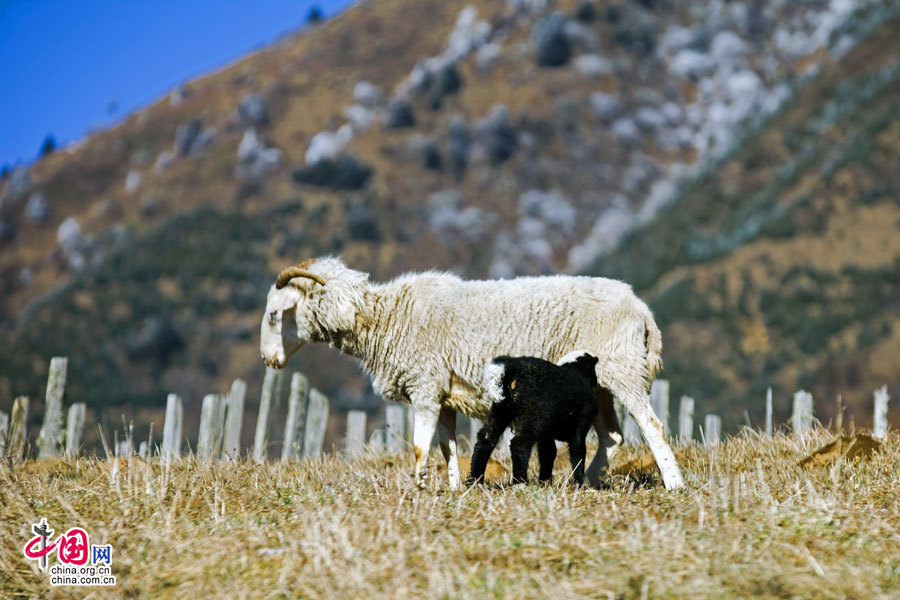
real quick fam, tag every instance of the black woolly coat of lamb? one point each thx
(547, 402)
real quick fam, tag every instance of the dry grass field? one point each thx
(751, 523)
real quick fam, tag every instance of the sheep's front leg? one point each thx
(425, 423)
(446, 428)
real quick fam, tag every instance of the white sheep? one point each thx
(425, 338)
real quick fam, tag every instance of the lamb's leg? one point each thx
(546, 458)
(652, 430)
(446, 429)
(486, 440)
(577, 452)
(520, 451)
(425, 424)
(609, 437)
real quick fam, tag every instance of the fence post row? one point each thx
(802, 418)
(685, 419)
(394, 419)
(234, 419)
(316, 424)
(49, 440)
(307, 422)
(171, 447)
(75, 429)
(292, 447)
(212, 423)
(880, 425)
(355, 443)
(712, 430)
(266, 413)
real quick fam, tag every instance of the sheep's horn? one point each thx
(295, 271)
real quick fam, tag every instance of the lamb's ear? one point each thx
(283, 299)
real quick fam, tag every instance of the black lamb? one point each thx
(546, 402)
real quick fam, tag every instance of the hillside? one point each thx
(781, 266)
(518, 137)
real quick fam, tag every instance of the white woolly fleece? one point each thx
(493, 381)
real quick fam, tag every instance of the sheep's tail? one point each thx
(494, 372)
(653, 341)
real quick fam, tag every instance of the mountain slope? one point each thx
(782, 266)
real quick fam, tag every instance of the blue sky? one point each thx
(63, 62)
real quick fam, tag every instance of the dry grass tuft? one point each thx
(751, 522)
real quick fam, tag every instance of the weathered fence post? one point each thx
(356, 433)
(376, 442)
(631, 432)
(18, 429)
(712, 430)
(74, 429)
(801, 422)
(659, 401)
(316, 424)
(393, 428)
(880, 422)
(212, 422)
(49, 440)
(769, 412)
(685, 419)
(234, 419)
(171, 447)
(4, 431)
(292, 447)
(410, 424)
(268, 402)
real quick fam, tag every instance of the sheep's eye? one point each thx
(272, 316)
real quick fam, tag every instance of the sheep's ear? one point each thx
(283, 299)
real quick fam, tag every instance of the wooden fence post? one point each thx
(212, 422)
(659, 401)
(234, 419)
(410, 424)
(50, 440)
(268, 402)
(801, 421)
(685, 419)
(316, 424)
(712, 430)
(769, 412)
(171, 447)
(630, 431)
(880, 422)
(18, 429)
(74, 429)
(393, 428)
(292, 447)
(376, 442)
(356, 433)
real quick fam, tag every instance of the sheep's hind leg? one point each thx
(425, 423)
(652, 430)
(446, 429)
